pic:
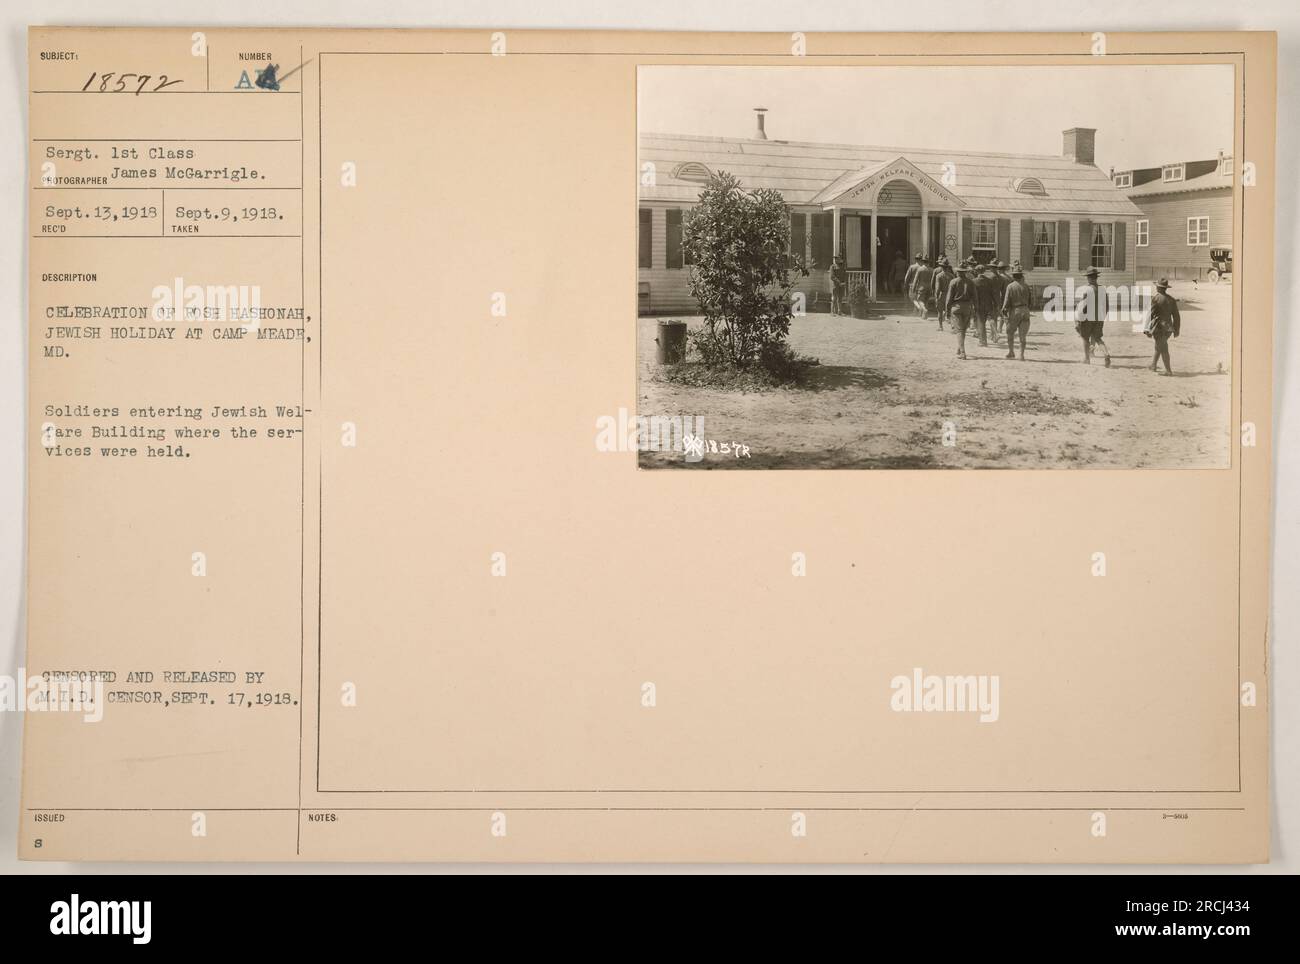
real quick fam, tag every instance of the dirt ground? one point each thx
(890, 393)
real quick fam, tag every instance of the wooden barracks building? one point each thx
(1058, 215)
(1186, 212)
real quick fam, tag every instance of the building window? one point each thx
(1198, 231)
(643, 229)
(1143, 233)
(1044, 244)
(692, 171)
(1171, 172)
(1103, 245)
(984, 239)
(1124, 180)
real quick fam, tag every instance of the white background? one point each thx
(774, 15)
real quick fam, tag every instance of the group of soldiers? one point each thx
(994, 298)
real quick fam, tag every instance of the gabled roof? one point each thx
(1202, 182)
(846, 184)
(805, 172)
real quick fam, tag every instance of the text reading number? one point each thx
(112, 83)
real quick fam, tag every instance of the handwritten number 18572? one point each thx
(112, 83)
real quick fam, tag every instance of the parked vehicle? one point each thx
(1221, 259)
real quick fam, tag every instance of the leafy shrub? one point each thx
(710, 346)
(737, 243)
(777, 365)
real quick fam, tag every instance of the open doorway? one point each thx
(892, 233)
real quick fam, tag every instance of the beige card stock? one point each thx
(332, 558)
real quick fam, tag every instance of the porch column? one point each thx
(925, 230)
(835, 232)
(872, 242)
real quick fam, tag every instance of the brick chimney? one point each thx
(760, 133)
(1078, 144)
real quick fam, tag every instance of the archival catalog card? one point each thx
(522, 446)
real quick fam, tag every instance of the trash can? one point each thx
(671, 343)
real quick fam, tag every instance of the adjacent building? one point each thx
(1186, 216)
(1057, 214)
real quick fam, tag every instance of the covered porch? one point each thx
(885, 211)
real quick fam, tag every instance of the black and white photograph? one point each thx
(935, 267)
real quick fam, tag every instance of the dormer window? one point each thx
(1124, 180)
(1171, 172)
(1225, 165)
(692, 171)
(1029, 185)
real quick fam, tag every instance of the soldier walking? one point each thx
(1163, 323)
(922, 283)
(986, 305)
(943, 277)
(897, 272)
(911, 274)
(1090, 317)
(1015, 305)
(1003, 280)
(959, 305)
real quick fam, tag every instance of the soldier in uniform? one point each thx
(897, 272)
(1090, 317)
(943, 275)
(839, 281)
(959, 305)
(1163, 323)
(986, 305)
(922, 282)
(1015, 305)
(911, 274)
(1003, 279)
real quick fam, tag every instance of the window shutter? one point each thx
(1026, 244)
(643, 238)
(673, 239)
(1085, 245)
(1004, 239)
(798, 234)
(1063, 245)
(965, 238)
(1121, 245)
(823, 226)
